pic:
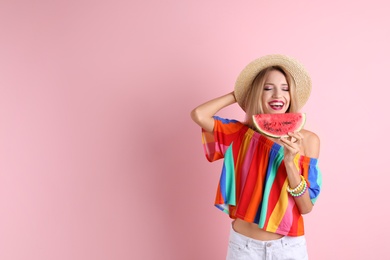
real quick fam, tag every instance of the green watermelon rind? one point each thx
(279, 136)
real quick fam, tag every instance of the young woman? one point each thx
(266, 184)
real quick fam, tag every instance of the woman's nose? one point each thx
(277, 93)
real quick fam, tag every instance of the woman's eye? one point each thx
(267, 88)
(285, 89)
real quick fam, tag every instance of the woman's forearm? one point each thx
(303, 202)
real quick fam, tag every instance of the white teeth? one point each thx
(276, 104)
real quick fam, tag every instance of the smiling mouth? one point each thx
(276, 105)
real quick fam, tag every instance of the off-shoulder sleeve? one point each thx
(225, 132)
(313, 176)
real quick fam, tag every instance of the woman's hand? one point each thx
(292, 146)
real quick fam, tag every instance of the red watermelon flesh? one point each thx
(278, 125)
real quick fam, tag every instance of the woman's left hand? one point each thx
(292, 145)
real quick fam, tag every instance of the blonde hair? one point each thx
(252, 98)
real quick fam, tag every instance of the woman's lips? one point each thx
(276, 104)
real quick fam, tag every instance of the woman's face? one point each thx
(276, 96)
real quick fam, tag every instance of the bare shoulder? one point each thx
(311, 143)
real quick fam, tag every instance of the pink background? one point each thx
(99, 158)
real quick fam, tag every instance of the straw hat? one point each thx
(248, 74)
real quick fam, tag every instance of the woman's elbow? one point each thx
(195, 115)
(206, 122)
(306, 210)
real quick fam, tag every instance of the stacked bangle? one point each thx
(299, 190)
(299, 194)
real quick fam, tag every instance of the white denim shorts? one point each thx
(285, 248)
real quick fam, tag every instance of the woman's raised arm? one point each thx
(203, 114)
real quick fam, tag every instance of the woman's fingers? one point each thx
(295, 137)
(293, 142)
(289, 143)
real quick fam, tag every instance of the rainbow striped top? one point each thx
(253, 181)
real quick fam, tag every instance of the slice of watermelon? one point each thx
(278, 125)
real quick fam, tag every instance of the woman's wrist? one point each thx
(292, 163)
(234, 96)
(289, 163)
(290, 166)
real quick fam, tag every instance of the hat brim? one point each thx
(298, 72)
